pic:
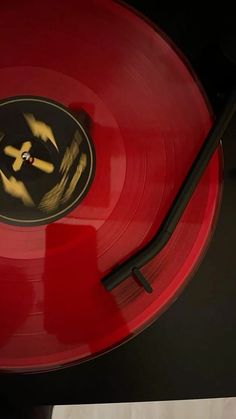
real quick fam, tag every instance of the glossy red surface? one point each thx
(149, 120)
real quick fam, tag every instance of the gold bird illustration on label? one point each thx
(40, 130)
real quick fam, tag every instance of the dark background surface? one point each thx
(190, 352)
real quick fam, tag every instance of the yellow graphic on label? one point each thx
(75, 179)
(43, 165)
(16, 189)
(19, 158)
(40, 130)
(71, 153)
(17, 154)
(63, 191)
(52, 199)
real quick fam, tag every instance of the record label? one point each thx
(47, 161)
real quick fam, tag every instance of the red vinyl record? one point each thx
(80, 197)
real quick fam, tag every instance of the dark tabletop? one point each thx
(190, 352)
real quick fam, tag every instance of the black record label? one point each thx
(47, 161)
